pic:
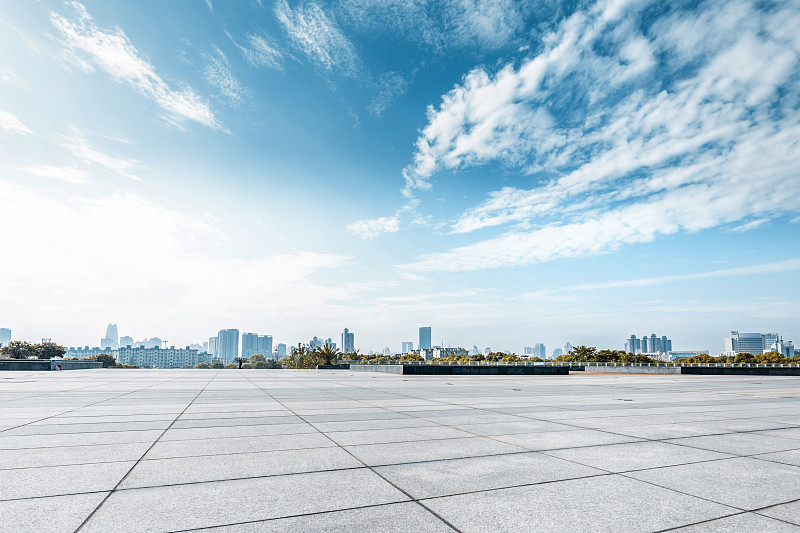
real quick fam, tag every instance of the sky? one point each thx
(505, 172)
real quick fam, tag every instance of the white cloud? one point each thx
(68, 174)
(262, 52)
(318, 36)
(633, 159)
(77, 144)
(217, 72)
(389, 86)
(9, 122)
(90, 45)
(373, 227)
(210, 6)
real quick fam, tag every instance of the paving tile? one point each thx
(636, 455)
(440, 478)
(603, 503)
(361, 425)
(237, 431)
(554, 440)
(740, 482)
(740, 443)
(260, 443)
(54, 514)
(392, 518)
(509, 428)
(790, 457)
(789, 512)
(406, 452)
(76, 439)
(56, 480)
(218, 467)
(741, 522)
(72, 455)
(377, 436)
(34, 429)
(225, 502)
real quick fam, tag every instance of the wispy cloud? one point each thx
(789, 265)
(10, 123)
(218, 73)
(89, 45)
(373, 227)
(210, 6)
(389, 87)
(68, 174)
(261, 52)
(319, 37)
(77, 144)
(631, 153)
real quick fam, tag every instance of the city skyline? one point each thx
(513, 174)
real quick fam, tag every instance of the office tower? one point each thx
(228, 345)
(315, 343)
(281, 350)
(5, 336)
(249, 344)
(408, 347)
(205, 347)
(264, 345)
(527, 351)
(666, 344)
(756, 343)
(125, 341)
(155, 342)
(645, 344)
(557, 352)
(425, 338)
(111, 340)
(475, 350)
(539, 350)
(487, 351)
(212, 346)
(387, 352)
(567, 347)
(348, 341)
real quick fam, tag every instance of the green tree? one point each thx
(328, 354)
(107, 360)
(231, 365)
(49, 350)
(19, 350)
(256, 358)
(744, 358)
(202, 365)
(217, 364)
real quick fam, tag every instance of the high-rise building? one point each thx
(111, 340)
(315, 343)
(281, 350)
(387, 351)
(264, 345)
(757, 343)
(539, 351)
(652, 344)
(125, 341)
(557, 352)
(567, 347)
(408, 347)
(425, 338)
(527, 351)
(348, 341)
(5, 336)
(212, 347)
(228, 345)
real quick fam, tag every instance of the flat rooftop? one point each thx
(281, 450)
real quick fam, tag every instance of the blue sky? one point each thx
(505, 172)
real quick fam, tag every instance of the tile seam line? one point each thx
(107, 496)
(758, 511)
(446, 522)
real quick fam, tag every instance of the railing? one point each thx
(571, 363)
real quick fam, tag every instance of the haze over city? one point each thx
(507, 173)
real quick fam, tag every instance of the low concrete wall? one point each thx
(740, 371)
(464, 370)
(343, 366)
(634, 369)
(47, 364)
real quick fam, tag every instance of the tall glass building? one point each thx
(425, 338)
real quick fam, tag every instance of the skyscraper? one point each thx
(754, 343)
(212, 346)
(539, 350)
(567, 347)
(265, 345)
(249, 344)
(407, 347)
(227, 345)
(425, 338)
(281, 350)
(111, 340)
(348, 341)
(5, 336)
(125, 341)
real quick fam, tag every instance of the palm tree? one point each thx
(240, 360)
(328, 353)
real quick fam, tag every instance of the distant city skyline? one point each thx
(510, 173)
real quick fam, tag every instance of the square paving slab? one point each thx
(336, 451)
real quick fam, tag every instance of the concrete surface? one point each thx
(280, 450)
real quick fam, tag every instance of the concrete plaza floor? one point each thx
(280, 450)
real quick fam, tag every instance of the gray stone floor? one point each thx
(251, 450)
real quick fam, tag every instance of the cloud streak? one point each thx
(706, 139)
(68, 174)
(10, 123)
(90, 46)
